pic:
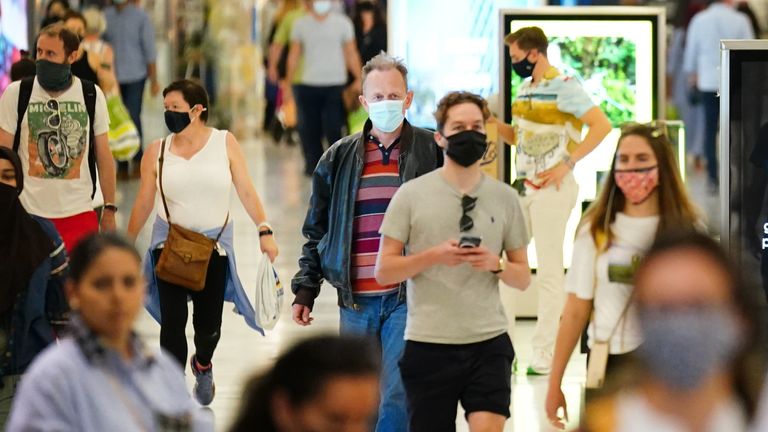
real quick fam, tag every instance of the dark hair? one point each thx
(10, 155)
(367, 6)
(71, 39)
(23, 68)
(48, 7)
(193, 94)
(302, 373)
(529, 38)
(91, 247)
(76, 15)
(457, 98)
(748, 366)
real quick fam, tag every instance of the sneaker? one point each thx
(204, 389)
(535, 372)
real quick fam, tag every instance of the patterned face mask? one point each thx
(637, 184)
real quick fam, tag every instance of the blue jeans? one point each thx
(383, 317)
(132, 94)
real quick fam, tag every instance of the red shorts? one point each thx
(72, 229)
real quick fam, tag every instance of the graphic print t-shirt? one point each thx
(54, 147)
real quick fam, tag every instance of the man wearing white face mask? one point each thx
(322, 51)
(351, 189)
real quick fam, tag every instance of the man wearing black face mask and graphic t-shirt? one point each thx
(53, 140)
(549, 113)
(454, 224)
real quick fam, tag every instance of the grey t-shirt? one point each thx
(322, 45)
(454, 305)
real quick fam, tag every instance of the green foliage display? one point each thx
(606, 66)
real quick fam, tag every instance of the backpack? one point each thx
(89, 96)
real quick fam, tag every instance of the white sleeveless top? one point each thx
(197, 190)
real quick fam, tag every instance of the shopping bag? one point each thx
(269, 294)
(124, 141)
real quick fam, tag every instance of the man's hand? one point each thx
(301, 315)
(553, 175)
(448, 253)
(552, 404)
(107, 221)
(154, 87)
(481, 258)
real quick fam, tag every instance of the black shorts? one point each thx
(439, 376)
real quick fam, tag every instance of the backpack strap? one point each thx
(25, 93)
(89, 96)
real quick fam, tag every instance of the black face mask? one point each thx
(467, 147)
(53, 76)
(524, 68)
(177, 121)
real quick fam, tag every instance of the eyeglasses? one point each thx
(658, 128)
(54, 120)
(468, 203)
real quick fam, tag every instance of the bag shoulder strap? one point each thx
(160, 180)
(25, 93)
(162, 192)
(89, 96)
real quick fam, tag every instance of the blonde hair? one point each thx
(383, 62)
(95, 22)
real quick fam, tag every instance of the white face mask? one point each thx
(322, 7)
(386, 115)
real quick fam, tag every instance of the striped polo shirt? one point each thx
(378, 183)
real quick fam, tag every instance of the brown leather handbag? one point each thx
(186, 254)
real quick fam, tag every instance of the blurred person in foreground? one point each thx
(32, 274)
(103, 377)
(323, 384)
(700, 367)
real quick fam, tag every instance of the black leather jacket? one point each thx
(328, 225)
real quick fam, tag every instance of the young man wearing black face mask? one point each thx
(453, 225)
(54, 140)
(549, 114)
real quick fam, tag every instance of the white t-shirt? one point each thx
(57, 182)
(632, 236)
(635, 414)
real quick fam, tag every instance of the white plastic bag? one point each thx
(269, 295)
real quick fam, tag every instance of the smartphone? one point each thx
(468, 241)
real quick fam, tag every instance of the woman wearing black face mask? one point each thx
(199, 166)
(700, 364)
(32, 271)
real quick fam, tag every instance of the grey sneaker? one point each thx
(204, 389)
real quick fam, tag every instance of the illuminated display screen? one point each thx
(447, 46)
(614, 56)
(13, 36)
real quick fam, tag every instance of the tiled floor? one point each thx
(276, 172)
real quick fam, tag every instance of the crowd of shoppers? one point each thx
(401, 222)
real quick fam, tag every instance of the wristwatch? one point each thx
(267, 231)
(502, 266)
(570, 163)
(110, 206)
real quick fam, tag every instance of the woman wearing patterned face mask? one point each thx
(699, 364)
(643, 197)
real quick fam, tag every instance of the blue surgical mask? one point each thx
(322, 7)
(386, 115)
(682, 348)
